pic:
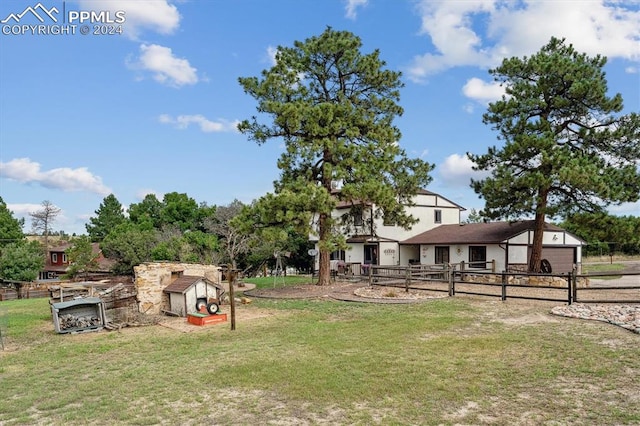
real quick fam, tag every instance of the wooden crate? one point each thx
(205, 319)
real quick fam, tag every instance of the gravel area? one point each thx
(625, 316)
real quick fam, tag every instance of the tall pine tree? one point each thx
(565, 149)
(109, 215)
(333, 107)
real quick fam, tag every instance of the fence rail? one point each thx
(567, 288)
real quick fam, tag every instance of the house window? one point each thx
(54, 257)
(437, 216)
(64, 258)
(478, 257)
(338, 255)
(357, 218)
(442, 255)
(390, 219)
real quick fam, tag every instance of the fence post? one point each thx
(570, 287)
(452, 289)
(493, 266)
(370, 275)
(407, 278)
(504, 286)
(574, 280)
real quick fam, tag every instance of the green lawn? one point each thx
(270, 282)
(449, 361)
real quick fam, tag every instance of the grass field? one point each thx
(448, 361)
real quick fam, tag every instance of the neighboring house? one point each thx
(377, 241)
(507, 243)
(57, 261)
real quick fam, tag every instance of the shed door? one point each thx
(562, 259)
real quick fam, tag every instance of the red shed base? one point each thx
(205, 319)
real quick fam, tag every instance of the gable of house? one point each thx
(430, 209)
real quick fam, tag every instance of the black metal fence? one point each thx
(566, 288)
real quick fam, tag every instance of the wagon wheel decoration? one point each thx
(200, 304)
(212, 308)
(545, 266)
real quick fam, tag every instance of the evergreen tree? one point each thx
(333, 107)
(129, 245)
(21, 261)
(564, 149)
(10, 227)
(109, 215)
(82, 260)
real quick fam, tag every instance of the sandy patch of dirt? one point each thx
(243, 313)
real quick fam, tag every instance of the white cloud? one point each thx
(155, 15)
(625, 209)
(66, 179)
(23, 210)
(140, 194)
(352, 6)
(206, 125)
(271, 54)
(62, 221)
(482, 91)
(457, 170)
(521, 28)
(165, 67)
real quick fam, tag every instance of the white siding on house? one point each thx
(356, 253)
(522, 238)
(518, 255)
(388, 254)
(408, 253)
(424, 211)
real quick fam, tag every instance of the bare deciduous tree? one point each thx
(233, 241)
(42, 220)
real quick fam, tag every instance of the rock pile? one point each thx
(625, 316)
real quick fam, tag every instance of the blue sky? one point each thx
(153, 110)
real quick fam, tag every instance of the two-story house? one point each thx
(57, 261)
(373, 240)
(439, 237)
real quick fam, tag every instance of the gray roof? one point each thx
(476, 233)
(182, 284)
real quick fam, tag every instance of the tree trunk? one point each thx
(324, 273)
(538, 233)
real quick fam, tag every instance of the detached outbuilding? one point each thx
(191, 294)
(504, 245)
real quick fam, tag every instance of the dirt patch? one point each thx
(243, 313)
(302, 291)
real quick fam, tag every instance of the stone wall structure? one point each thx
(152, 278)
(533, 280)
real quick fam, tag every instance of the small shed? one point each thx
(189, 294)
